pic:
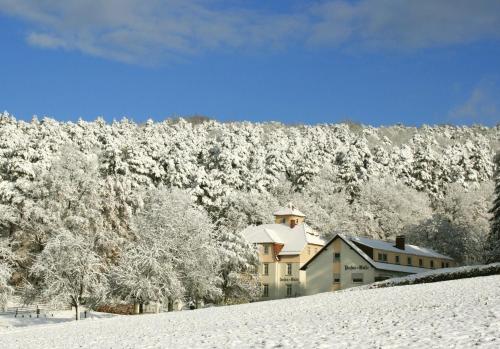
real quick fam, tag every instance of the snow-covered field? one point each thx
(459, 313)
(10, 322)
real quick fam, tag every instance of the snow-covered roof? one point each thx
(377, 265)
(289, 210)
(293, 239)
(389, 246)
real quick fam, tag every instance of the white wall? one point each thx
(319, 273)
(350, 258)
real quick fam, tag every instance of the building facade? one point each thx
(284, 247)
(348, 261)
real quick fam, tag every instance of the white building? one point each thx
(283, 248)
(348, 261)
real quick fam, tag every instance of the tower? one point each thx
(289, 215)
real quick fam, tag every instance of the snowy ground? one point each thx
(458, 313)
(9, 322)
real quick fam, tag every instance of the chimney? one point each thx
(292, 223)
(400, 242)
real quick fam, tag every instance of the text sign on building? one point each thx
(289, 279)
(356, 267)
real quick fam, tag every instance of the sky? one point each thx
(376, 62)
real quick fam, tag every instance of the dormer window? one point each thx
(266, 249)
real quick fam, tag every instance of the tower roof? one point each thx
(289, 210)
(293, 239)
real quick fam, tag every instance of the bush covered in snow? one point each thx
(441, 275)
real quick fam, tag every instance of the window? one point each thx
(432, 264)
(289, 269)
(385, 257)
(357, 277)
(266, 268)
(409, 261)
(447, 264)
(442, 264)
(382, 257)
(420, 262)
(336, 278)
(397, 259)
(266, 249)
(288, 290)
(265, 291)
(336, 256)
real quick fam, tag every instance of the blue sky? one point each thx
(377, 62)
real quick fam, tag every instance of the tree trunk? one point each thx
(75, 302)
(170, 305)
(141, 308)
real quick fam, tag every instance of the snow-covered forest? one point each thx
(152, 212)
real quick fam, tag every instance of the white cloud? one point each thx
(45, 40)
(481, 106)
(382, 24)
(139, 31)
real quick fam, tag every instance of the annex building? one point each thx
(348, 261)
(284, 247)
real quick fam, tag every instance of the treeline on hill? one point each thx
(94, 212)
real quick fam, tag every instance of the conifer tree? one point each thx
(494, 238)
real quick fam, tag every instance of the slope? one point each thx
(461, 313)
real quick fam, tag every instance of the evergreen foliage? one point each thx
(156, 209)
(494, 237)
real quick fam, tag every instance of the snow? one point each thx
(440, 275)
(399, 268)
(9, 322)
(289, 210)
(387, 246)
(294, 239)
(458, 313)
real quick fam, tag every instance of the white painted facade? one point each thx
(284, 247)
(341, 264)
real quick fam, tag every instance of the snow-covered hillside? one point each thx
(458, 313)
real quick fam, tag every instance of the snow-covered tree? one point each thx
(85, 177)
(145, 273)
(69, 271)
(467, 211)
(65, 195)
(238, 266)
(173, 255)
(444, 236)
(241, 209)
(6, 270)
(494, 236)
(6, 290)
(386, 206)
